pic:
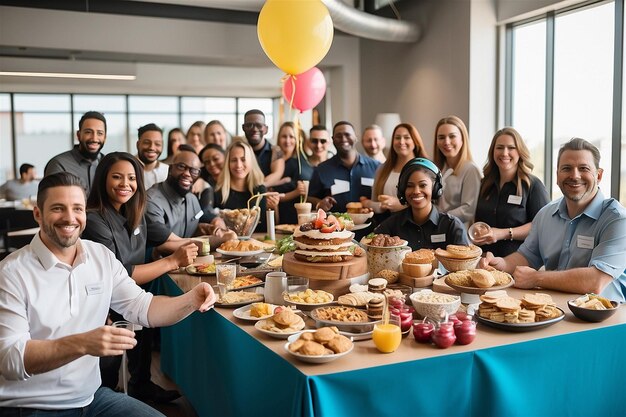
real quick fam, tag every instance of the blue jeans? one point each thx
(106, 403)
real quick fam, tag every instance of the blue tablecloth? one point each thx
(224, 371)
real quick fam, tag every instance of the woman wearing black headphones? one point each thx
(421, 224)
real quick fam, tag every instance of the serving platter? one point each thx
(520, 327)
(252, 285)
(258, 298)
(243, 313)
(282, 335)
(239, 253)
(193, 270)
(476, 290)
(359, 226)
(286, 229)
(313, 358)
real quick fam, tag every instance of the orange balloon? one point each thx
(295, 34)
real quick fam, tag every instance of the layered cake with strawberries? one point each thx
(324, 239)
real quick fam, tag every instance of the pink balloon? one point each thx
(310, 87)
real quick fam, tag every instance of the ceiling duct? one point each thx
(365, 25)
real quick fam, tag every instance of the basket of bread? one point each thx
(458, 257)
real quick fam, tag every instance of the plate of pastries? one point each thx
(282, 324)
(319, 346)
(236, 247)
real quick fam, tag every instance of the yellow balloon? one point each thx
(295, 34)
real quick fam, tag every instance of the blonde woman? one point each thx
(295, 172)
(195, 136)
(240, 179)
(461, 176)
(510, 196)
(406, 144)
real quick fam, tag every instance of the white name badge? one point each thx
(136, 231)
(198, 215)
(93, 289)
(584, 242)
(515, 199)
(368, 182)
(340, 187)
(438, 238)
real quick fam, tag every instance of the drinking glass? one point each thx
(387, 336)
(225, 274)
(123, 324)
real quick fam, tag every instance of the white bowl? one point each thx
(312, 358)
(433, 304)
(360, 218)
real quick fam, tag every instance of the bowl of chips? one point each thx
(592, 308)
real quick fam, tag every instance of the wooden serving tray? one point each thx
(416, 282)
(330, 271)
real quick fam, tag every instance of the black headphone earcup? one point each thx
(438, 187)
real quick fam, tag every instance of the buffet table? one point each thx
(226, 367)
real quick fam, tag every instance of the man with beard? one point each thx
(83, 159)
(55, 294)
(345, 177)
(173, 213)
(270, 158)
(149, 148)
(579, 238)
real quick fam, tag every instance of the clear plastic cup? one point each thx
(478, 230)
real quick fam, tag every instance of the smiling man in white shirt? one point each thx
(54, 298)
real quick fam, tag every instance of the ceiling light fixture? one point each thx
(69, 75)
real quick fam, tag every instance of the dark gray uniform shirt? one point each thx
(74, 163)
(167, 212)
(112, 230)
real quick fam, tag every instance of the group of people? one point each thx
(142, 213)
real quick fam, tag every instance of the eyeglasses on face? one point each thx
(194, 172)
(250, 126)
(315, 141)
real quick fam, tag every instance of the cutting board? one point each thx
(330, 271)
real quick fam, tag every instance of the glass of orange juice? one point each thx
(387, 336)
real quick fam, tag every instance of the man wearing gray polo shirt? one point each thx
(579, 238)
(173, 213)
(83, 159)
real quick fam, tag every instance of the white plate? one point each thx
(238, 253)
(358, 336)
(311, 358)
(243, 313)
(360, 226)
(283, 335)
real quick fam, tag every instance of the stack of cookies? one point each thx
(377, 285)
(375, 309)
(499, 307)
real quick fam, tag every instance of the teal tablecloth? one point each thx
(224, 371)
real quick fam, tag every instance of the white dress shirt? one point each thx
(42, 298)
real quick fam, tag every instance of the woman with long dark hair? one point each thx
(115, 218)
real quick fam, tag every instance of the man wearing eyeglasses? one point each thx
(173, 213)
(270, 159)
(319, 141)
(345, 177)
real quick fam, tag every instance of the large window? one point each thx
(566, 59)
(583, 82)
(47, 123)
(529, 89)
(43, 128)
